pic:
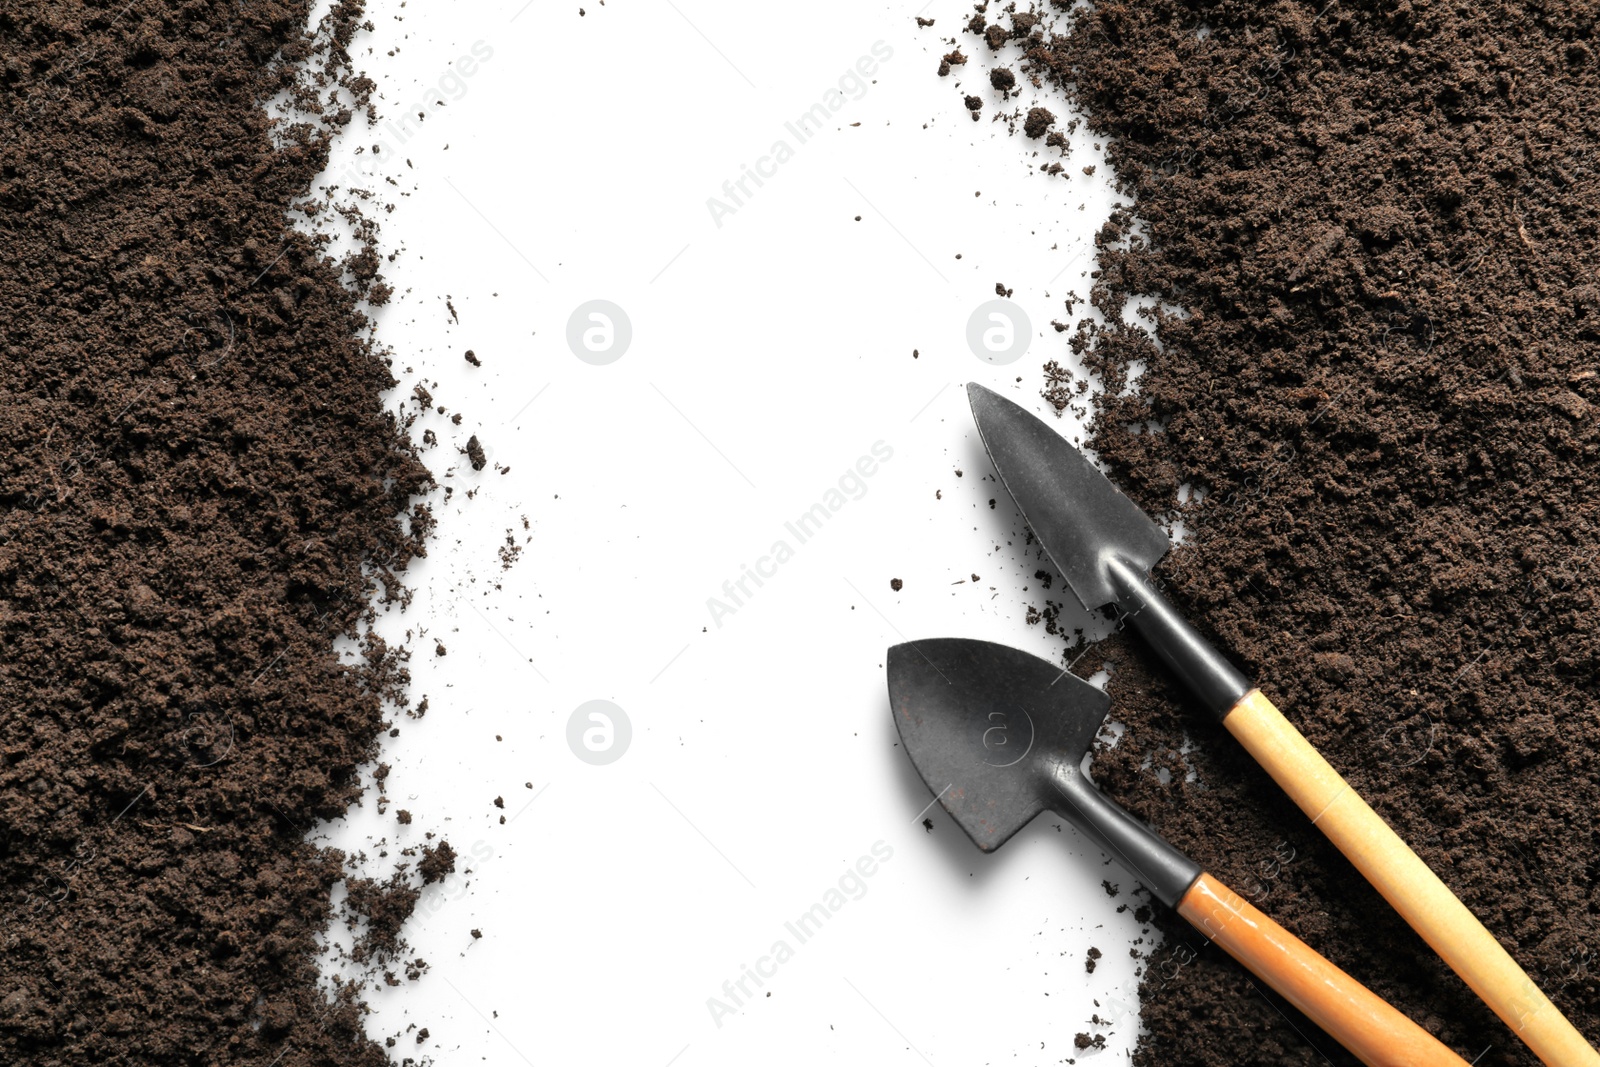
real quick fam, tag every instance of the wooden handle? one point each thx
(1352, 1014)
(1406, 882)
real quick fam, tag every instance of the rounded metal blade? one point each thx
(984, 724)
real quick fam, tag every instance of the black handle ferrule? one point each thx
(1165, 871)
(1212, 679)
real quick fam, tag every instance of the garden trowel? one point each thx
(999, 736)
(1104, 546)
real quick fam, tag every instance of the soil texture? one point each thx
(200, 495)
(1375, 408)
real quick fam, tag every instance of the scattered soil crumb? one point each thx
(437, 861)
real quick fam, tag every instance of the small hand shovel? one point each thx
(1000, 736)
(1105, 546)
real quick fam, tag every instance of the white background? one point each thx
(768, 354)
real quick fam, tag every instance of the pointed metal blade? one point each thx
(984, 723)
(1083, 521)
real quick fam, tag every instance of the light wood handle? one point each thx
(1348, 1011)
(1406, 882)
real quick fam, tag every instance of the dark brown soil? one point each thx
(1380, 222)
(1039, 120)
(197, 464)
(438, 861)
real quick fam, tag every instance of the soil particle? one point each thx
(385, 906)
(437, 861)
(952, 59)
(475, 453)
(509, 551)
(1038, 121)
